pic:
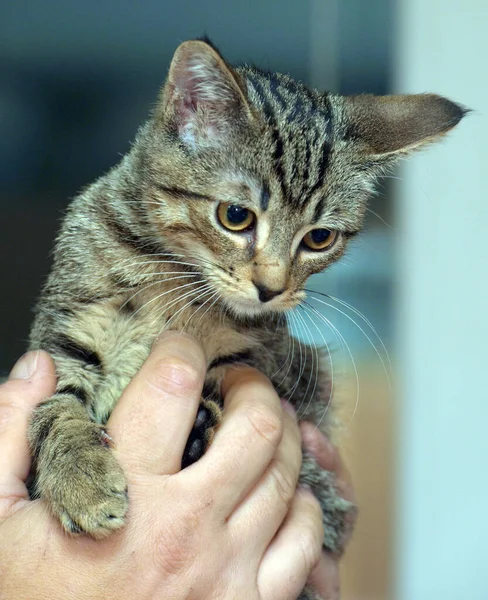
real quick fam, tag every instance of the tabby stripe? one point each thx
(297, 112)
(265, 196)
(278, 165)
(321, 169)
(76, 391)
(267, 107)
(274, 88)
(127, 308)
(319, 209)
(47, 423)
(308, 154)
(72, 349)
(230, 359)
(41, 435)
(126, 237)
(183, 194)
(329, 124)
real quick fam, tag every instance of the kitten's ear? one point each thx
(394, 125)
(202, 98)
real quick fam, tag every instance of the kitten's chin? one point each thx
(242, 307)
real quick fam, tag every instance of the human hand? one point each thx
(229, 526)
(325, 577)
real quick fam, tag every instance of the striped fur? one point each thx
(141, 250)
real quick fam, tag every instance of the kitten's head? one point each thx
(261, 181)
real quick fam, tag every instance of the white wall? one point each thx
(443, 312)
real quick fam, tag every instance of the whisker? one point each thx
(159, 296)
(379, 217)
(302, 364)
(203, 293)
(378, 353)
(330, 361)
(208, 308)
(159, 281)
(290, 337)
(334, 328)
(367, 321)
(315, 360)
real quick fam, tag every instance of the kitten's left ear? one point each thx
(202, 98)
(395, 125)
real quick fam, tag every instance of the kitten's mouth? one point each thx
(251, 307)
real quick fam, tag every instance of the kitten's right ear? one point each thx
(202, 99)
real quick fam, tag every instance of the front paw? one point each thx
(208, 418)
(338, 513)
(81, 481)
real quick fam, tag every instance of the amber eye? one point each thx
(234, 217)
(319, 239)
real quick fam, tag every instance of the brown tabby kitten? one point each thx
(240, 186)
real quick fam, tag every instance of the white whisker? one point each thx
(159, 296)
(159, 281)
(378, 353)
(315, 360)
(306, 309)
(334, 328)
(209, 290)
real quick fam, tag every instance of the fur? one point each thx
(142, 250)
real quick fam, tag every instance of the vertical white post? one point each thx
(442, 312)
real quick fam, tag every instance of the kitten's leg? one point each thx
(77, 473)
(208, 418)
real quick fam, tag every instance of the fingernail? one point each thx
(289, 408)
(25, 367)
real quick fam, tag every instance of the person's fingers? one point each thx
(151, 422)
(328, 457)
(295, 550)
(270, 499)
(32, 380)
(246, 441)
(325, 578)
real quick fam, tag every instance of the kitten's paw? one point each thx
(208, 418)
(81, 480)
(339, 514)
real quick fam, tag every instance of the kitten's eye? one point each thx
(234, 217)
(319, 239)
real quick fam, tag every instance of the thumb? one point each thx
(32, 380)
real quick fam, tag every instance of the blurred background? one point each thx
(77, 81)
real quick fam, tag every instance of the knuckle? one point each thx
(267, 423)
(175, 376)
(284, 483)
(311, 549)
(310, 545)
(311, 533)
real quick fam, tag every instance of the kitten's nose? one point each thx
(265, 294)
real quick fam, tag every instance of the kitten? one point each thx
(240, 186)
